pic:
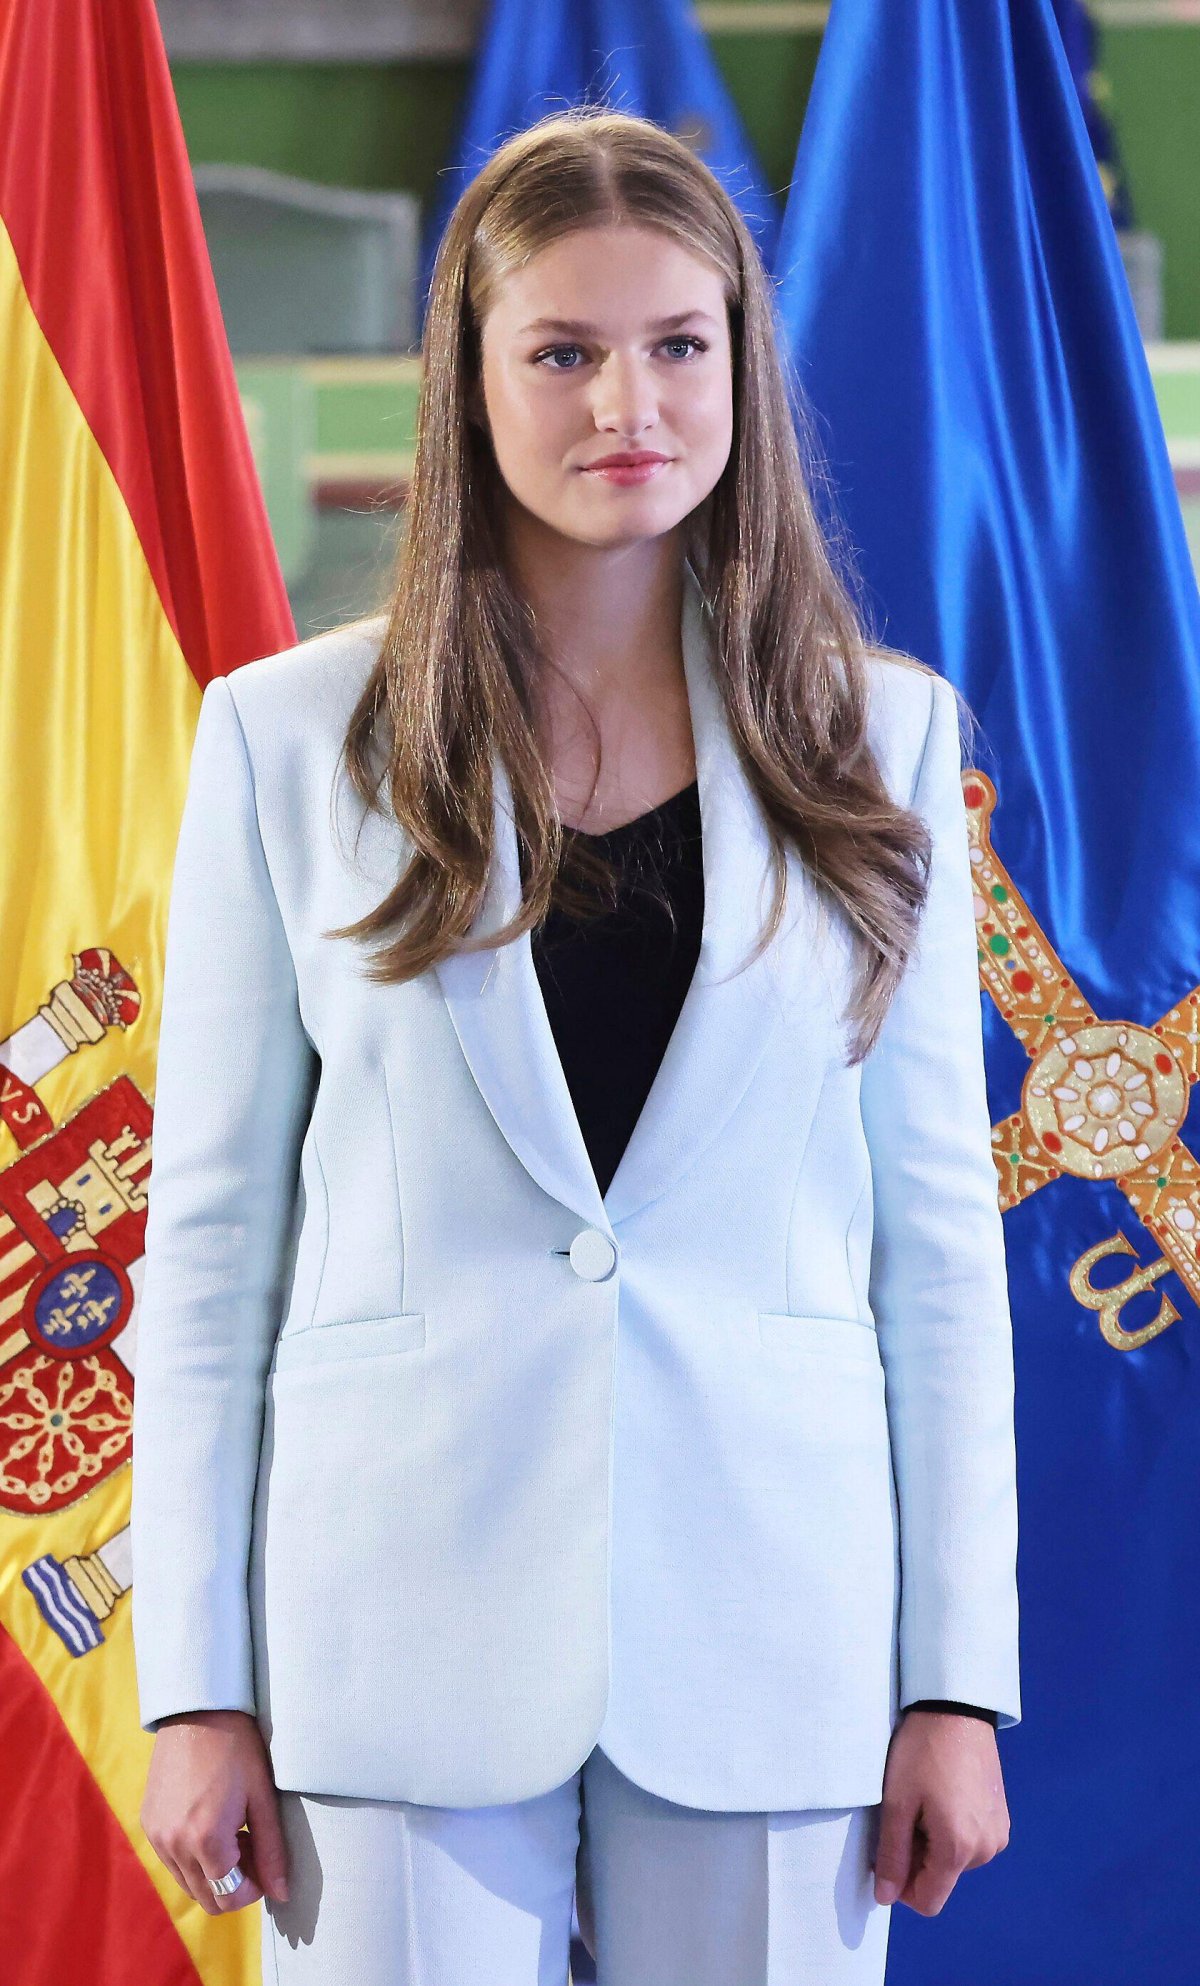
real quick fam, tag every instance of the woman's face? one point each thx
(612, 340)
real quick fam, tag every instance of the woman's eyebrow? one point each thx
(590, 330)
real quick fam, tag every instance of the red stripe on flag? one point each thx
(75, 1902)
(97, 195)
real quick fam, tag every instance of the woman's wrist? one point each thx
(217, 1717)
(958, 1709)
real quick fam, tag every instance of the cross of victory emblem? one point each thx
(1101, 1099)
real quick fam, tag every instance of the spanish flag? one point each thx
(135, 563)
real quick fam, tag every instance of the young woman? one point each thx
(574, 1435)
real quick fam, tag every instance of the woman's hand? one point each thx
(943, 1807)
(210, 1774)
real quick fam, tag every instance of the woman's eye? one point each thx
(556, 351)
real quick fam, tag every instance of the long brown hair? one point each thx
(455, 665)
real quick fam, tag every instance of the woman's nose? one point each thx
(624, 397)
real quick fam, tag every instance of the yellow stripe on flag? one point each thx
(97, 714)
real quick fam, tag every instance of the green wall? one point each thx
(391, 126)
(381, 128)
(1154, 79)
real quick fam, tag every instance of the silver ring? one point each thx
(225, 1885)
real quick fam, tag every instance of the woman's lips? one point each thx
(630, 472)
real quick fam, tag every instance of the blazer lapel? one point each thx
(728, 1016)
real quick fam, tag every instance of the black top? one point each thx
(613, 986)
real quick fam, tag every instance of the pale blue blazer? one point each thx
(450, 1468)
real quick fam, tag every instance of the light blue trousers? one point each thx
(386, 1893)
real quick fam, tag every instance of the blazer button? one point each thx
(592, 1255)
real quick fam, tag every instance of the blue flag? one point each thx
(646, 57)
(952, 296)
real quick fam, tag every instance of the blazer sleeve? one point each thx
(234, 1086)
(938, 1287)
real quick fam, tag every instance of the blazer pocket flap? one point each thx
(367, 1337)
(785, 1331)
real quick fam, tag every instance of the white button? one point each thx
(592, 1255)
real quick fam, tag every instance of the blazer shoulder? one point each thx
(304, 695)
(903, 698)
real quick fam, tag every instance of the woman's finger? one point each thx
(894, 1849)
(247, 1890)
(172, 1867)
(192, 1879)
(268, 1848)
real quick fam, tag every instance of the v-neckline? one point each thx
(606, 834)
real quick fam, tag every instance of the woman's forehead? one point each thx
(619, 280)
